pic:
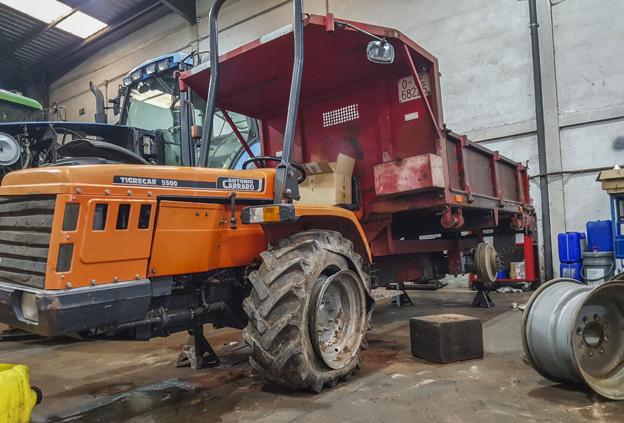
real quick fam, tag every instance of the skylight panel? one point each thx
(81, 24)
(47, 11)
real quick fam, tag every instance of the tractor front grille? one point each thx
(25, 227)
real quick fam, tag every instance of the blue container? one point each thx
(571, 270)
(502, 274)
(571, 247)
(619, 247)
(600, 235)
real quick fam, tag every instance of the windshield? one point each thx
(154, 105)
(226, 151)
(11, 112)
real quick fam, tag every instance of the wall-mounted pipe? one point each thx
(541, 140)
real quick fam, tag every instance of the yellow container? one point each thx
(17, 398)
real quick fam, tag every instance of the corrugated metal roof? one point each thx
(28, 45)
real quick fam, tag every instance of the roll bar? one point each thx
(286, 186)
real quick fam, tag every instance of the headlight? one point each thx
(127, 81)
(29, 307)
(150, 69)
(163, 65)
(9, 150)
(136, 75)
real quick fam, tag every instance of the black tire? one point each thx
(279, 306)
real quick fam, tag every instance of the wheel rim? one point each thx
(337, 318)
(486, 262)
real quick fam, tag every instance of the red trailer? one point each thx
(423, 194)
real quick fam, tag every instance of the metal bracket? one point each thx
(197, 352)
(232, 197)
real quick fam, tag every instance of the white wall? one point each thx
(485, 58)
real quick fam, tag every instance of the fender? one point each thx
(322, 217)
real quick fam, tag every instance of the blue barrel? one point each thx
(571, 247)
(571, 270)
(599, 235)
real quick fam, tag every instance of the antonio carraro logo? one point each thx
(239, 184)
(224, 183)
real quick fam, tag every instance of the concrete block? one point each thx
(446, 338)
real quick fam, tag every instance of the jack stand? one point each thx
(401, 300)
(482, 299)
(197, 352)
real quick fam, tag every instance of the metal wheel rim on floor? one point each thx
(593, 347)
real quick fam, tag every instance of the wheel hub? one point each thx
(337, 318)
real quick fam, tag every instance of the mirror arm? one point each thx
(347, 24)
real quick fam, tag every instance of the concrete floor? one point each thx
(111, 381)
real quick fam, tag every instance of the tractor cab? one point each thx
(150, 99)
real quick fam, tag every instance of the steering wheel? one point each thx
(296, 165)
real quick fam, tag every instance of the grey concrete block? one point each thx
(446, 338)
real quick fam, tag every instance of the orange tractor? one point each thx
(151, 250)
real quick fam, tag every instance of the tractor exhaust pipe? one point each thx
(100, 109)
(572, 332)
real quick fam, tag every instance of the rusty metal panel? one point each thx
(412, 174)
(508, 181)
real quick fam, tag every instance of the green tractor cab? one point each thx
(17, 108)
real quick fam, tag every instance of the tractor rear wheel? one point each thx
(307, 311)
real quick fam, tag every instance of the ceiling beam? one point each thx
(185, 8)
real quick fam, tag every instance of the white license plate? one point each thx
(408, 90)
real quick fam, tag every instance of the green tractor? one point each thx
(17, 108)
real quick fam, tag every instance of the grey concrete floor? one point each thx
(111, 381)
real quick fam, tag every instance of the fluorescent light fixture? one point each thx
(81, 24)
(45, 10)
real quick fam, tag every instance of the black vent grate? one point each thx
(25, 227)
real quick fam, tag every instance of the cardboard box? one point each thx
(328, 183)
(517, 270)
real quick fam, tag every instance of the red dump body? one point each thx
(415, 177)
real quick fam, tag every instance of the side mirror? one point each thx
(380, 51)
(116, 102)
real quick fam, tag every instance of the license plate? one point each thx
(408, 90)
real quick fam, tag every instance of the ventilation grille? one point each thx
(25, 227)
(342, 115)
